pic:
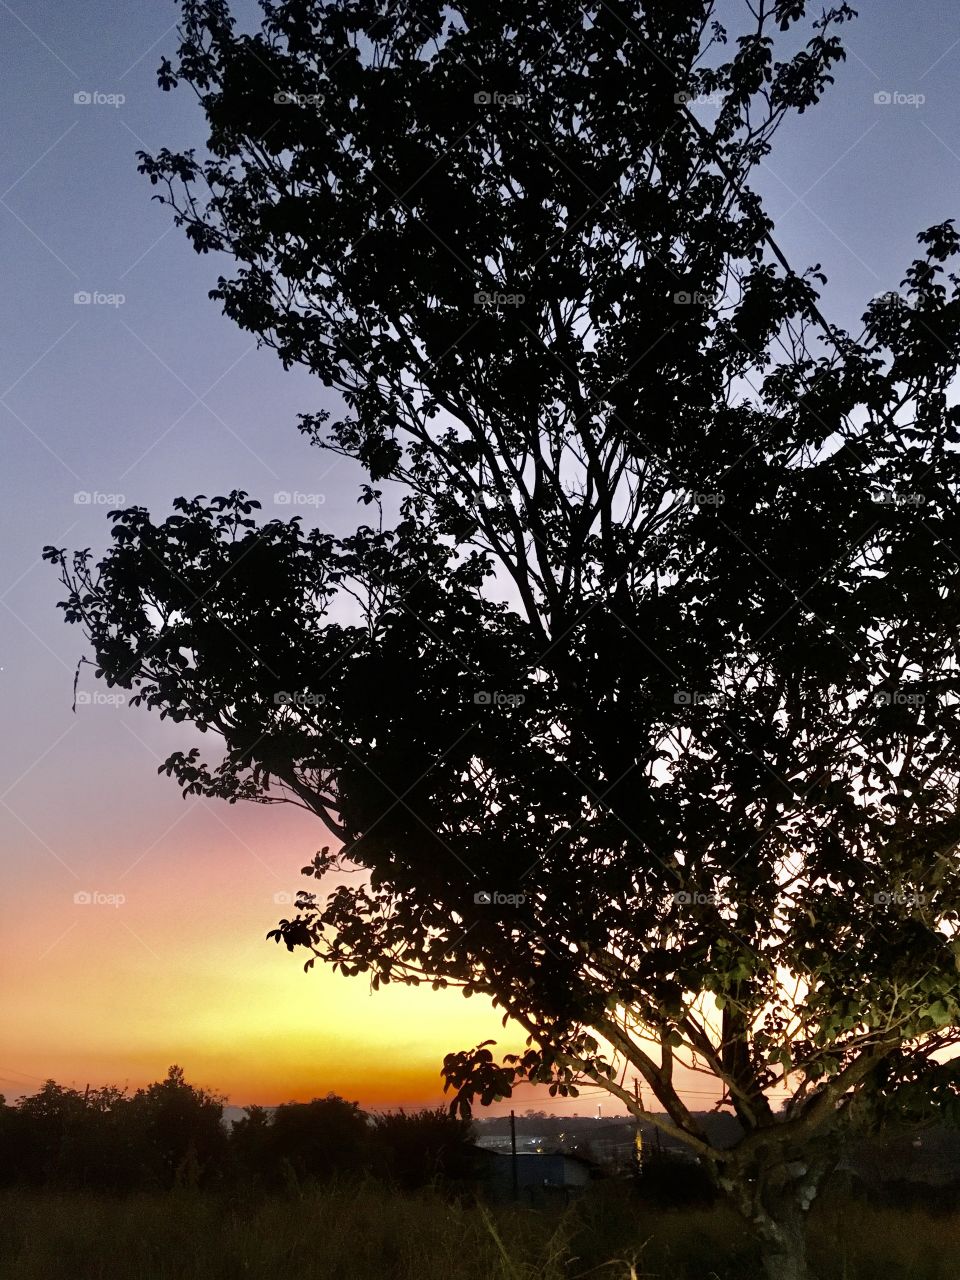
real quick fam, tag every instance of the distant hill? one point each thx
(232, 1114)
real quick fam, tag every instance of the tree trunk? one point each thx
(774, 1200)
(781, 1230)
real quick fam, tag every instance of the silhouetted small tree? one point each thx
(98, 1139)
(38, 1130)
(180, 1125)
(101, 1146)
(416, 1148)
(248, 1140)
(301, 1142)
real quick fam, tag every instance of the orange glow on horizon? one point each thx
(180, 971)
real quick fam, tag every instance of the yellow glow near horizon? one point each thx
(180, 971)
(242, 1020)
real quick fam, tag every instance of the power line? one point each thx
(8, 1073)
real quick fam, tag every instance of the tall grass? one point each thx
(368, 1233)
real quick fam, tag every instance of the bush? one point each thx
(423, 1147)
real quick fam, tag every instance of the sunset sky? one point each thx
(154, 394)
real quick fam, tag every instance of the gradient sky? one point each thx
(160, 396)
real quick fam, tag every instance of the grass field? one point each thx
(367, 1233)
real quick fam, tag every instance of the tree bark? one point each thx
(774, 1200)
(781, 1230)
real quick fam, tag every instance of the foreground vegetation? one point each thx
(368, 1232)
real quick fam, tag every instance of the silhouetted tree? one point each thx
(315, 1141)
(414, 1149)
(650, 733)
(101, 1147)
(181, 1125)
(34, 1132)
(101, 1139)
(248, 1147)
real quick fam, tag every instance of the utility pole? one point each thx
(638, 1140)
(513, 1148)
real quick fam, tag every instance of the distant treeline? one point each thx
(172, 1134)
